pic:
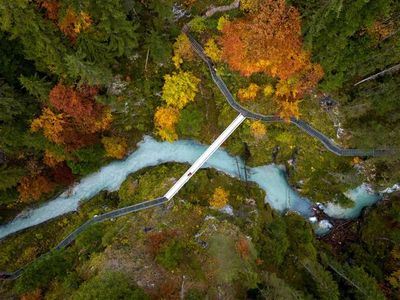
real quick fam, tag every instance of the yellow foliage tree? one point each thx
(220, 198)
(165, 120)
(222, 21)
(180, 88)
(394, 279)
(104, 122)
(198, 24)
(382, 30)
(355, 161)
(287, 89)
(182, 50)
(84, 22)
(288, 109)
(258, 129)
(249, 93)
(115, 147)
(268, 90)
(212, 50)
(52, 125)
(249, 5)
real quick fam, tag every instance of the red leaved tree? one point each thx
(80, 104)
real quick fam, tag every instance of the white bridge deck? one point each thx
(204, 157)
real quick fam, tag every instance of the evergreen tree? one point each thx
(325, 287)
(37, 87)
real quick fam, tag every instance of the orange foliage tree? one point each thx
(34, 295)
(220, 198)
(52, 8)
(62, 130)
(156, 240)
(79, 120)
(242, 245)
(73, 23)
(32, 188)
(269, 41)
(52, 125)
(165, 120)
(80, 104)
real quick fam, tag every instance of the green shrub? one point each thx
(109, 286)
(42, 271)
(171, 254)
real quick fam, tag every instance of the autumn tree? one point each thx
(52, 8)
(222, 21)
(180, 88)
(156, 240)
(61, 130)
(258, 129)
(382, 30)
(165, 120)
(52, 125)
(52, 159)
(62, 174)
(33, 295)
(182, 50)
(249, 93)
(220, 198)
(269, 40)
(295, 87)
(242, 246)
(268, 90)
(115, 146)
(288, 109)
(32, 188)
(250, 5)
(79, 118)
(80, 104)
(212, 50)
(73, 23)
(74, 138)
(198, 24)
